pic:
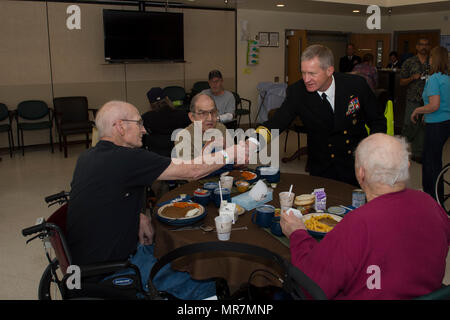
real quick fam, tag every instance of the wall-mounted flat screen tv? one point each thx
(143, 36)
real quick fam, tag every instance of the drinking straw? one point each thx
(290, 190)
(220, 190)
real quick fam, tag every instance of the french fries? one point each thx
(314, 223)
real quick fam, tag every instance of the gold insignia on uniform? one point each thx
(354, 121)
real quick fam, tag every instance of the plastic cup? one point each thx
(286, 200)
(226, 182)
(226, 195)
(223, 227)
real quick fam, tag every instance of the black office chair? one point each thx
(72, 117)
(33, 112)
(7, 127)
(240, 111)
(177, 95)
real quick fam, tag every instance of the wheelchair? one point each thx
(55, 281)
(98, 281)
(443, 178)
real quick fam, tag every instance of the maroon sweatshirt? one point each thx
(394, 247)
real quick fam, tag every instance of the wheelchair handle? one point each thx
(33, 229)
(57, 196)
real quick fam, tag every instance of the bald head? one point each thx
(385, 159)
(109, 113)
(201, 99)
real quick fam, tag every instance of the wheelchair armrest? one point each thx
(105, 268)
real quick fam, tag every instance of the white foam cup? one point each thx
(223, 227)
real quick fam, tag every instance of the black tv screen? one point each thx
(143, 36)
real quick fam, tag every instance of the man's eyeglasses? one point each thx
(139, 122)
(205, 114)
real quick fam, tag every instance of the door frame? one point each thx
(396, 34)
(347, 34)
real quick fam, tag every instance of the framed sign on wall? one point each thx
(274, 39)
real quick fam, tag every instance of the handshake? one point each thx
(239, 154)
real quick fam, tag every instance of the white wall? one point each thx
(422, 21)
(272, 60)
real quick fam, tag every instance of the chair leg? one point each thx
(239, 121)
(23, 144)
(286, 139)
(87, 140)
(51, 141)
(249, 121)
(11, 143)
(298, 144)
(65, 146)
(60, 142)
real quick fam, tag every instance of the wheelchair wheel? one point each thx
(444, 178)
(49, 284)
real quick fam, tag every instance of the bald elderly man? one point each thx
(393, 247)
(104, 221)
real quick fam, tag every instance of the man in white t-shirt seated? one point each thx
(223, 99)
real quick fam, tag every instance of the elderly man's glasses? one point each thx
(139, 122)
(205, 114)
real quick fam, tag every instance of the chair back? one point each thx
(199, 86)
(176, 94)
(57, 224)
(237, 99)
(32, 109)
(4, 113)
(71, 109)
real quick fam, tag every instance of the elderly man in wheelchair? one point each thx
(104, 214)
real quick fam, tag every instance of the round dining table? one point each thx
(237, 268)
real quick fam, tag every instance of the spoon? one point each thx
(206, 228)
(232, 229)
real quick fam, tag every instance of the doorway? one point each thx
(405, 41)
(298, 40)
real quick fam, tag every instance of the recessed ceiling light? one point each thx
(355, 11)
(281, 5)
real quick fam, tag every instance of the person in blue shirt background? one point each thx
(436, 97)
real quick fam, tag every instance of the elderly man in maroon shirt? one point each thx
(393, 247)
